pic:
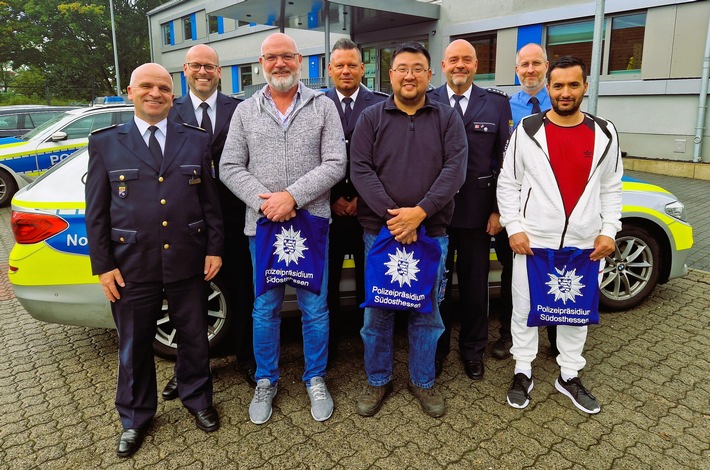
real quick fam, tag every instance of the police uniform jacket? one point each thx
(154, 224)
(365, 98)
(183, 112)
(487, 121)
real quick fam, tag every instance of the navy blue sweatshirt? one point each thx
(399, 160)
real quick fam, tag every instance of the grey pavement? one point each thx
(648, 367)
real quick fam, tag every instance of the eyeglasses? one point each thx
(196, 66)
(287, 57)
(535, 64)
(416, 71)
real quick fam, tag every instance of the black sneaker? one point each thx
(518, 392)
(580, 396)
(501, 348)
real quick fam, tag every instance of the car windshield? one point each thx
(41, 128)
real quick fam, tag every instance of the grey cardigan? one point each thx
(306, 157)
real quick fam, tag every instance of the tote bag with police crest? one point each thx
(564, 287)
(291, 252)
(401, 277)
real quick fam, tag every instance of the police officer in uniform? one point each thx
(487, 119)
(155, 231)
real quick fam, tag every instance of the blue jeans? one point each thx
(424, 330)
(267, 327)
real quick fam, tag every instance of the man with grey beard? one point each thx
(284, 151)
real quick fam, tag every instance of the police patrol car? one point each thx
(50, 271)
(25, 157)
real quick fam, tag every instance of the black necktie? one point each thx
(536, 105)
(457, 105)
(154, 146)
(348, 109)
(206, 121)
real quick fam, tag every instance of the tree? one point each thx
(70, 42)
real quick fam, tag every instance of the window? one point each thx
(167, 30)
(245, 75)
(485, 45)
(213, 24)
(624, 35)
(81, 128)
(187, 28)
(571, 39)
(626, 43)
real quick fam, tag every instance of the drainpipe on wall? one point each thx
(702, 99)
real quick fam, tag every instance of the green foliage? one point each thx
(67, 45)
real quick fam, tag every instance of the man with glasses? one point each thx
(486, 117)
(205, 106)
(351, 98)
(531, 67)
(284, 151)
(408, 160)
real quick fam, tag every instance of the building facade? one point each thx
(650, 73)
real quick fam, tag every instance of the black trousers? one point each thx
(472, 248)
(237, 274)
(135, 314)
(345, 238)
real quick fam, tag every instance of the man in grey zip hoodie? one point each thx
(284, 151)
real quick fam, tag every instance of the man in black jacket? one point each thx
(205, 106)
(351, 98)
(487, 118)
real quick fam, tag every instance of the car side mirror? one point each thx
(58, 136)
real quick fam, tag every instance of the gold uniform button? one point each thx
(121, 239)
(121, 178)
(161, 179)
(165, 223)
(163, 201)
(166, 246)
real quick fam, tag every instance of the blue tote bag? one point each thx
(564, 287)
(291, 252)
(401, 277)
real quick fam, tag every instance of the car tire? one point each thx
(632, 273)
(218, 323)
(8, 187)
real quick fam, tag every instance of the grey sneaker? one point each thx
(431, 400)
(260, 406)
(580, 396)
(518, 393)
(371, 398)
(321, 401)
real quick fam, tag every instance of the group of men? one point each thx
(182, 188)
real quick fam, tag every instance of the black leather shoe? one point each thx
(130, 441)
(438, 366)
(207, 419)
(170, 392)
(474, 369)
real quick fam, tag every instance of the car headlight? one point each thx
(676, 209)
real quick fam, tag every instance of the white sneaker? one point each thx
(321, 401)
(260, 406)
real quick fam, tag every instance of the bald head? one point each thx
(278, 41)
(151, 91)
(530, 67)
(459, 65)
(203, 83)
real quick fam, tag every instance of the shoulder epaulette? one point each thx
(193, 127)
(496, 90)
(104, 128)
(381, 93)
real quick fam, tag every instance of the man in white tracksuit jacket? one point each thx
(560, 186)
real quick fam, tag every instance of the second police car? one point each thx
(25, 157)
